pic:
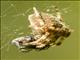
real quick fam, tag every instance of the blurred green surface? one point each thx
(15, 24)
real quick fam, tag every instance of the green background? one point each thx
(14, 24)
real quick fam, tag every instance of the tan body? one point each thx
(51, 29)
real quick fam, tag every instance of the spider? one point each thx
(47, 30)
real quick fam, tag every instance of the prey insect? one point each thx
(47, 30)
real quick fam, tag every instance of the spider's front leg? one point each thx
(39, 41)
